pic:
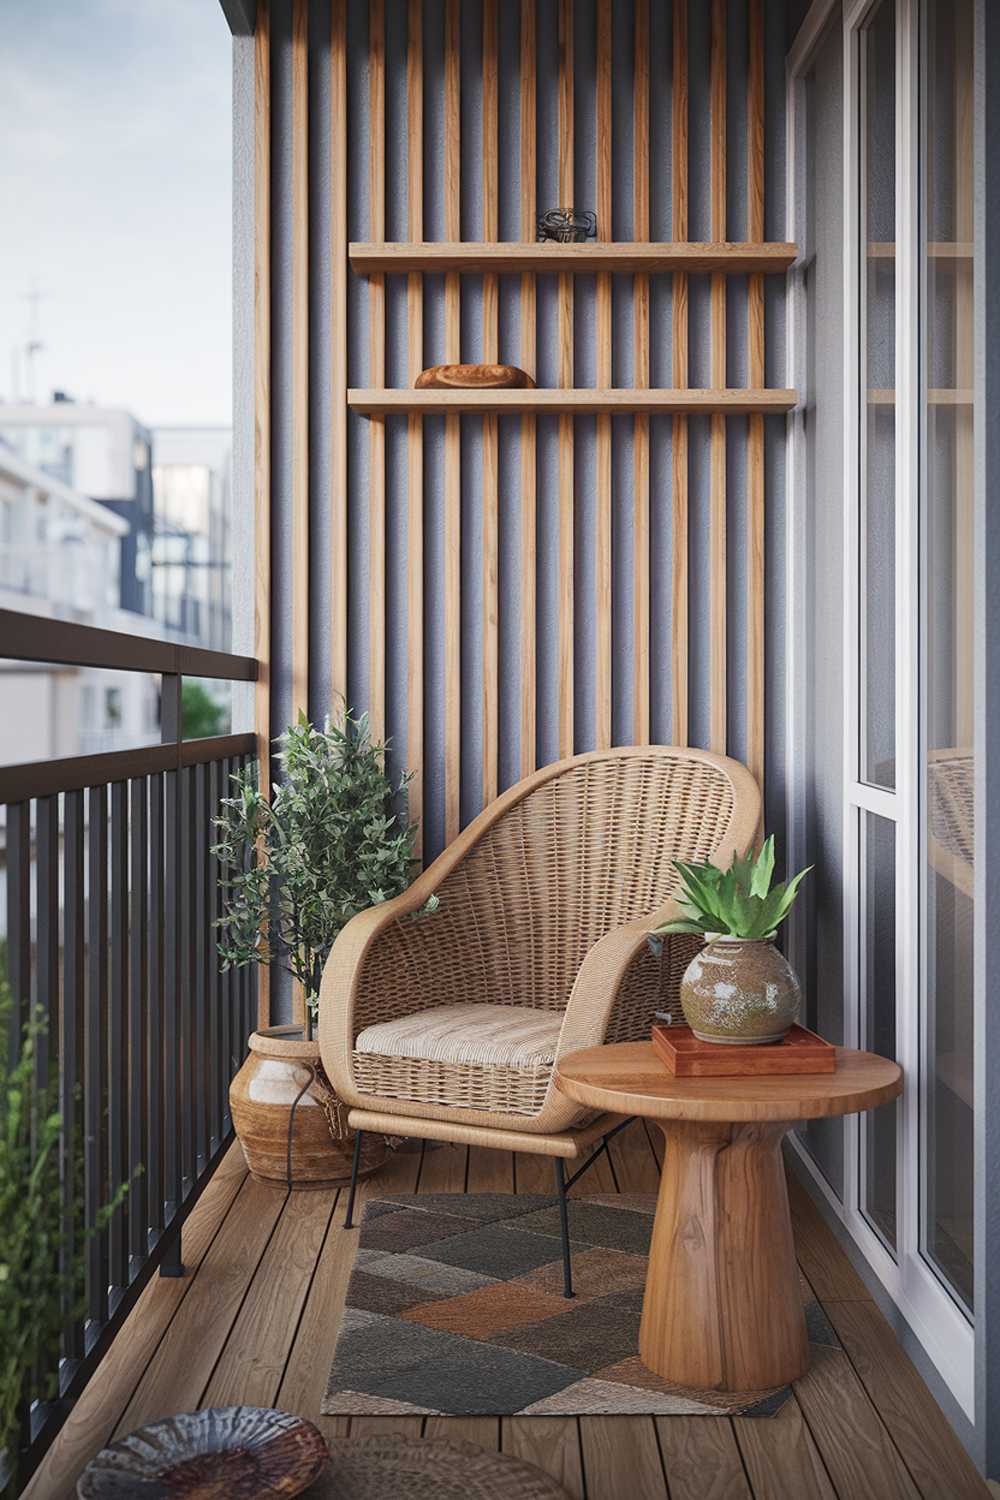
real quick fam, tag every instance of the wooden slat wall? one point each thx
(638, 683)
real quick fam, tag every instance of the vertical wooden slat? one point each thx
(679, 332)
(138, 991)
(154, 1030)
(602, 539)
(717, 477)
(117, 1030)
(262, 410)
(95, 1054)
(491, 317)
(376, 337)
(528, 175)
(640, 294)
(217, 1079)
(300, 357)
(415, 425)
(755, 376)
(71, 1033)
(452, 430)
(338, 355)
(566, 447)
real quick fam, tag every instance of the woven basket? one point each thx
(398, 1468)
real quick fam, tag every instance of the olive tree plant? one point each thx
(327, 845)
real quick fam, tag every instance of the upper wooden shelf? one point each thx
(620, 400)
(625, 256)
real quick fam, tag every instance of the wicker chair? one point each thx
(447, 1026)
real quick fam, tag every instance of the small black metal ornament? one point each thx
(567, 225)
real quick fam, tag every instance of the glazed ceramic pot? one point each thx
(739, 991)
(281, 1069)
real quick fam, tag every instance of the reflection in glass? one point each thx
(947, 319)
(878, 427)
(878, 985)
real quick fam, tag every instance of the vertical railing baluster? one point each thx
(201, 1050)
(47, 930)
(217, 1055)
(18, 921)
(95, 1049)
(117, 1026)
(173, 901)
(189, 922)
(154, 1021)
(72, 1034)
(224, 981)
(138, 999)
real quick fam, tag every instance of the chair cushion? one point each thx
(506, 1036)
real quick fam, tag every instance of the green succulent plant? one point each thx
(739, 902)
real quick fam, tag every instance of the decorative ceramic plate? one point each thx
(229, 1453)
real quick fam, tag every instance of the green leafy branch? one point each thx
(327, 845)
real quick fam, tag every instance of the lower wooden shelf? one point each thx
(617, 401)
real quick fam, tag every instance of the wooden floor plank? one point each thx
(307, 1370)
(490, 1171)
(252, 1362)
(534, 1174)
(553, 1443)
(444, 1171)
(182, 1366)
(928, 1446)
(636, 1167)
(95, 1416)
(362, 1427)
(621, 1457)
(831, 1274)
(483, 1431)
(780, 1457)
(702, 1459)
(855, 1446)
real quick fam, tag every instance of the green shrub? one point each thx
(326, 846)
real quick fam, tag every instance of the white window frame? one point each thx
(942, 1328)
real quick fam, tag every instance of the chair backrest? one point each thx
(584, 850)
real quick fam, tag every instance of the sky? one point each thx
(115, 202)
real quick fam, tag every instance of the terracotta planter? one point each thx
(261, 1097)
(740, 992)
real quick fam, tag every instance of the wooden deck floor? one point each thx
(255, 1321)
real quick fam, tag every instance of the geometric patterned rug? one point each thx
(455, 1307)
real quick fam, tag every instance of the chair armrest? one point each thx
(602, 978)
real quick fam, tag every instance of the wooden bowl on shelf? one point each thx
(474, 378)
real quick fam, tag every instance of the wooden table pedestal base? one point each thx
(723, 1308)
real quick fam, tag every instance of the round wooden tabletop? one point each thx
(629, 1079)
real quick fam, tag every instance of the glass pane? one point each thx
(948, 320)
(878, 992)
(878, 427)
(817, 923)
(115, 307)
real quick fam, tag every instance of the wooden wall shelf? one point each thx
(617, 401)
(582, 259)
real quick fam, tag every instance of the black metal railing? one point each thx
(112, 893)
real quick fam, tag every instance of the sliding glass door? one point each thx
(881, 587)
(947, 321)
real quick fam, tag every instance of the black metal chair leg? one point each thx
(564, 1225)
(355, 1164)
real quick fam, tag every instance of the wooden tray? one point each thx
(683, 1055)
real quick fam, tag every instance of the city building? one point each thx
(103, 452)
(192, 497)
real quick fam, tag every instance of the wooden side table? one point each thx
(722, 1308)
